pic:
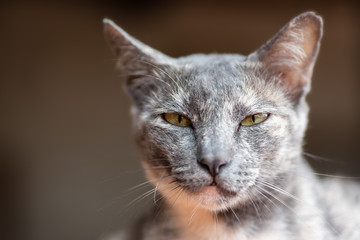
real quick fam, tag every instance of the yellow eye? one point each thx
(254, 119)
(177, 119)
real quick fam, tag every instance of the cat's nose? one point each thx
(212, 165)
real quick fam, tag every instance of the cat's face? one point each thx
(217, 127)
(216, 94)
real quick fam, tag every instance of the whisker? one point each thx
(283, 203)
(158, 160)
(335, 176)
(315, 157)
(178, 195)
(193, 212)
(146, 194)
(278, 199)
(124, 194)
(129, 191)
(266, 206)
(136, 187)
(141, 185)
(253, 203)
(216, 222)
(138, 199)
(236, 216)
(164, 195)
(157, 167)
(280, 190)
(276, 188)
(295, 171)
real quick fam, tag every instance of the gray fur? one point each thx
(266, 189)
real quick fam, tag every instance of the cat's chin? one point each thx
(210, 193)
(210, 197)
(214, 198)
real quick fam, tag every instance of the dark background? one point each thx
(66, 150)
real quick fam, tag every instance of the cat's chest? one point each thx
(222, 234)
(277, 232)
(197, 230)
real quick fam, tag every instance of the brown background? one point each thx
(66, 149)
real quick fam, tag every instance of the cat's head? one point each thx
(216, 126)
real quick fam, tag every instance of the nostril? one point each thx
(213, 166)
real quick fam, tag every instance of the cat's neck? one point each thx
(193, 222)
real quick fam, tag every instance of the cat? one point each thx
(221, 139)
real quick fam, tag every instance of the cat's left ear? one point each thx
(136, 61)
(133, 57)
(292, 52)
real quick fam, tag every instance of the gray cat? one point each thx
(221, 140)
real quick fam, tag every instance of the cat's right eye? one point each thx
(177, 119)
(254, 119)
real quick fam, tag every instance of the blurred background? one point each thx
(66, 149)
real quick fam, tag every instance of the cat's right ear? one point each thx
(290, 55)
(133, 58)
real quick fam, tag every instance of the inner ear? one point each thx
(291, 54)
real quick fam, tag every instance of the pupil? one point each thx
(179, 118)
(253, 118)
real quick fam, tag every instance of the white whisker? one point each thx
(193, 212)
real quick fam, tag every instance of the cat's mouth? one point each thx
(221, 190)
(212, 195)
(216, 190)
(214, 183)
(213, 190)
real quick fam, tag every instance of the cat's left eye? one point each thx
(177, 119)
(254, 119)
